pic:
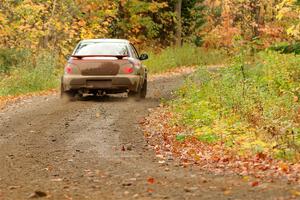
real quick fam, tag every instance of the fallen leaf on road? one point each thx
(68, 197)
(13, 187)
(37, 194)
(129, 147)
(246, 178)
(190, 189)
(151, 180)
(295, 192)
(123, 148)
(254, 184)
(126, 184)
(159, 156)
(161, 135)
(227, 192)
(57, 180)
(150, 190)
(284, 167)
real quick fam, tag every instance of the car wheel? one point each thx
(67, 95)
(143, 90)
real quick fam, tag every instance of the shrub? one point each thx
(255, 106)
(13, 58)
(42, 76)
(287, 48)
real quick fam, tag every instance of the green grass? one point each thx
(43, 75)
(11, 59)
(187, 55)
(251, 107)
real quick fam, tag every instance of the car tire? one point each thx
(67, 95)
(141, 93)
(143, 90)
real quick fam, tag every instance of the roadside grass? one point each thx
(31, 75)
(249, 108)
(187, 55)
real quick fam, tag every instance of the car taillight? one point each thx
(68, 69)
(128, 70)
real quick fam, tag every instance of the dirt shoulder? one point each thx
(94, 149)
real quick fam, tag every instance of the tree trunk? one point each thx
(255, 12)
(179, 23)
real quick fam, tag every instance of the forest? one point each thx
(253, 98)
(56, 26)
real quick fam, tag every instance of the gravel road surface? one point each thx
(94, 149)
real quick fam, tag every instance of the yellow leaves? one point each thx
(154, 7)
(52, 23)
(288, 10)
(105, 23)
(164, 5)
(203, 130)
(4, 29)
(110, 12)
(2, 18)
(86, 34)
(256, 145)
(135, 30)
(294, 30)
(246, 178)
(24, 27)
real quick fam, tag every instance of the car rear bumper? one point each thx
(118, 82)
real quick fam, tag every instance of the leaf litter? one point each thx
(162, 136)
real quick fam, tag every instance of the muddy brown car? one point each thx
(105, 66)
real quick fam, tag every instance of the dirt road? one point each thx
(93, 149)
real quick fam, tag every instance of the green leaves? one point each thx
(253, 107)
(209, 138)
(180, 138)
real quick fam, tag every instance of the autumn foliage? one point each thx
(59, 25)
(242, 119)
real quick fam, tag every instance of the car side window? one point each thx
(133, 51)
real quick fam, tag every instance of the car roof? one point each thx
(106, 40)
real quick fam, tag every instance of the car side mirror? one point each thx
(144, 57)
(68, 57)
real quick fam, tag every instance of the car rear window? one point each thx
(97, 48)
